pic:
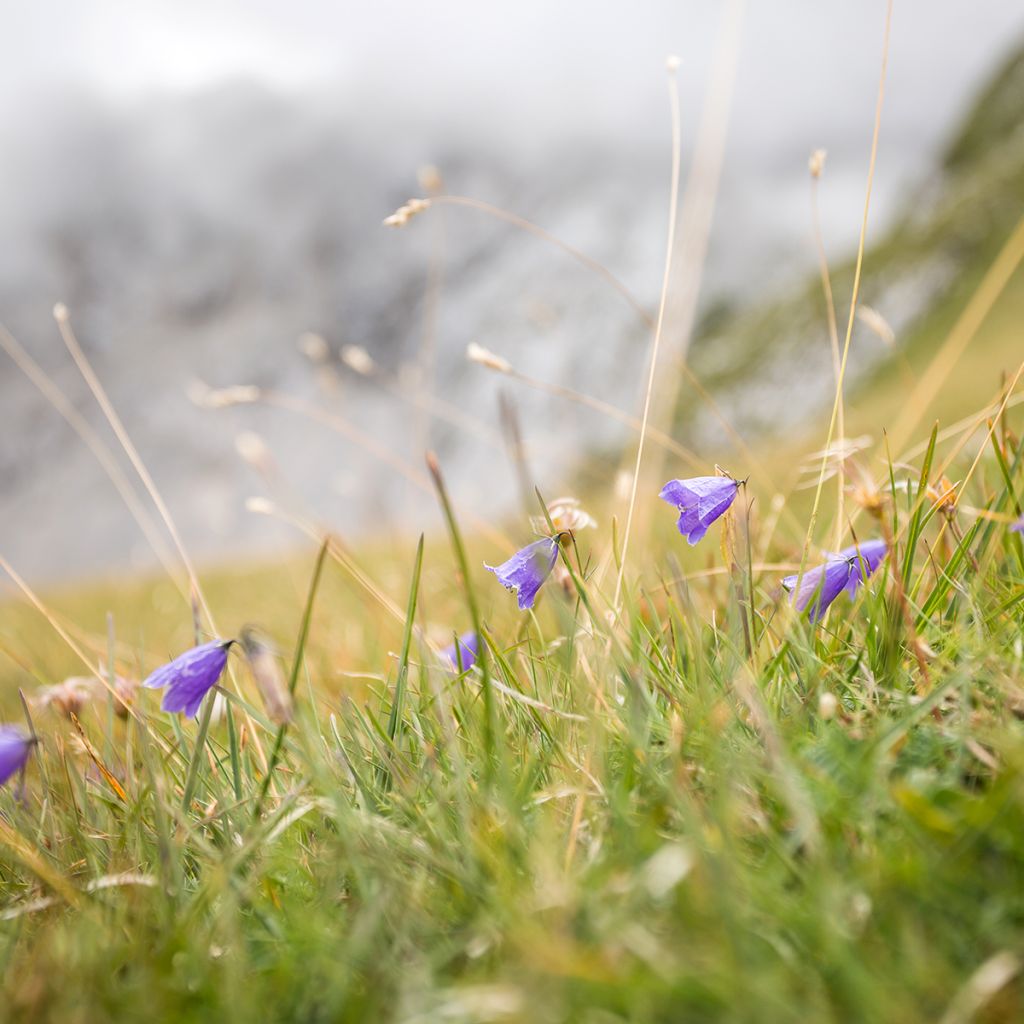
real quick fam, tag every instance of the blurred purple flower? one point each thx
(864, 559)
(468, 647)
(1018, 527)
(525, 572)
(190, 676)
(823, 584)
(700, 501)
(14, 750)
(846, 570)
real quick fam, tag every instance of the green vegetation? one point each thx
(925, 268)
(663, 825)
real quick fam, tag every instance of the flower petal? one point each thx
(864, 559)
(676, 492)
(700, 500)
(190, 676)
(525, 572)
(468, 649)
(820, 586)
(14, 750)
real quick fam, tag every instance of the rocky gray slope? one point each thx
(199, 239)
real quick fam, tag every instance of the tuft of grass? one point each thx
(679, 826)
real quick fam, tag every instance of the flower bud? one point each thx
(267, 674)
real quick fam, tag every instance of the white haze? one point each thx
(201, 182)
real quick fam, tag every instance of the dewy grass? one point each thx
(674, 829)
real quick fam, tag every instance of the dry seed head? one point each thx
(404, 214)
(430, 178)
(877, 323)
(623, 484)
(478, 354)
(942, 494)
(267, 674)
(816, 163)
(869, 498)
(261, 506)
(68, 697)
(865, 491)
(220, 398)
(313, 347)
(566, 514)
(358, 360)
(828, 703)
(74, 693)
(253, 449)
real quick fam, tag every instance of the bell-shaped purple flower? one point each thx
(846, 570)
(525, 572)
(15, 748)
(1017, 527)
(191, 676)
(864, 559)
(467, 652)
(820, 585)
(700, 501)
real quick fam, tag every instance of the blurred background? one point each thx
(203, 185)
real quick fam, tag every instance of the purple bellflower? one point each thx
(864, 559)
(467, 652)
(1017, 527)
(191, 676)
(525, 572)
(846, 570)
(700, 501)
(14, 750)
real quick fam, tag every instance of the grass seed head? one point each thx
(404, 214)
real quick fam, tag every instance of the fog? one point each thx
(201, 184)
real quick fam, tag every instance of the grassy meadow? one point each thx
(677, 801)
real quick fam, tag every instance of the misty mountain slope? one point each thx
(201, 239)
(771, 364)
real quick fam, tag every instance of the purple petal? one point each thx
(700, 500)
(190, 676)
(14, 750)
(1018, 527)
(676, 492)
(695, 533)
(690, 525)
(696, 488)
(820, 585)
(864, 559)
(468, 647)
(525, 572)
(710, 511)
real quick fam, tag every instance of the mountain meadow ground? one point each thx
(726, 776)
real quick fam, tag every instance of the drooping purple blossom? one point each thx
(1017, 527)
(525, 572)
(846, 570)
(467, 652)
(191, 676)
(864, 559)
(15, 748)
(822, 585)
(700, 501)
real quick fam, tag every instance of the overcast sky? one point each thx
(532, 66)
(187, 225)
